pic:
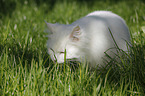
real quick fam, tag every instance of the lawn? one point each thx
(26, 69)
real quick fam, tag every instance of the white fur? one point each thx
(94, 38)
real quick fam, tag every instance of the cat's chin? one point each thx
(69, 60)
(73, 60)
(60, 61)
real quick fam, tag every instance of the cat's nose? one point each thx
(55, 61)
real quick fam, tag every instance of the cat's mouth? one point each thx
(69, 61)
(73, 59)
(74, 62)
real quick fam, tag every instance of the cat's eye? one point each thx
(61, 52)
(51, 50)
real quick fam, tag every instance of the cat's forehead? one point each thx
(57, 43)
(60, 37)
(60, 28)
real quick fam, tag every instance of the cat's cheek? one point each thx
(53, 58)
(51, 55)
(60, 58)
(72, 55)
(72, 52)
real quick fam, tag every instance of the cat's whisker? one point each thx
(74, 59)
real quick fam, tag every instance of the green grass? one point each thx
(26, 69)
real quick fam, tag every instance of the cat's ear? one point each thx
(51, 27)
(75, 34)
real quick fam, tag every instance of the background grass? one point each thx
(25, 65)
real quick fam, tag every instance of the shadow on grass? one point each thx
(25, 56)
(7, 8)
(139, 63)
(21, 55)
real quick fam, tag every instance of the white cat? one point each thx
(88, 38)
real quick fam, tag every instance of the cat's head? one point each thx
(63, 37)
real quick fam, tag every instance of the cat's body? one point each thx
(88, 38)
